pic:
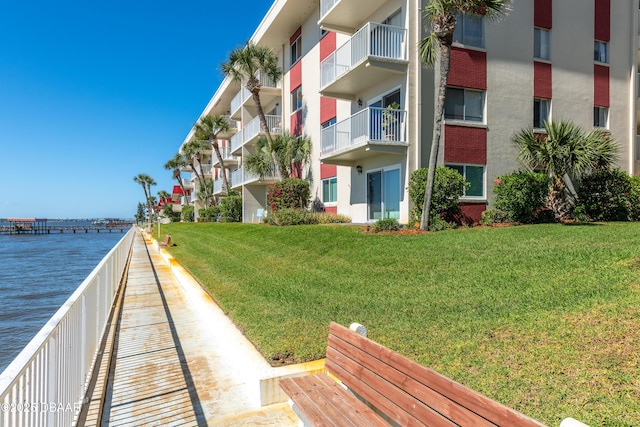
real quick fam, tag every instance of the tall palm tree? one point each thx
(146, 182)
(208, 128)
(244, 65)
(565, 151)
(441, 17)
(193, 153)
(175, 165)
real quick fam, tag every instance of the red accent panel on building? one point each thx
(468, 68)
(542, 80)
(327, 109)
(331, 209)
(600, 85)
(472, 212)
(602, 21)
(542, 14)
(327, 45)
(463, 144)
(296, 123)
(328, 171)
(295, 75)
(295, 35)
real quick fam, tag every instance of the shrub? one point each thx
(289, 216)
(231, 209)
(386, 224)
(493, 216)
(332, 218)
(169, 213)
(634, 198)
(293, 193)
(448, 187)
(521, 195)
(209, 214)
(187, 213)
(606, 195)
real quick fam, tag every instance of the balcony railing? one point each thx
(236, 177)
(326, 5)
(373, 124)
(244, 95)
(218, 183)
(253, 128)
(206, 169)
(55, 367)
(236, 102)
(373, 40)
(236, 141)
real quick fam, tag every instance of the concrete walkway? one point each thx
(178, 360)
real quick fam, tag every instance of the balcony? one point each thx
(233, 128)
(236, 178)
(240, 177)
(253, 130)
(227, 157)
(217, 186)
(187, 184)
(370, 132)
(374, 53)
(206, 170)
(344, 16)
(269, 91)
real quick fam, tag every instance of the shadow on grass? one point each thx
(584, 224)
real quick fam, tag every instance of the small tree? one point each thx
(521, 195)
(448, 187)
(292, 193)
(606, 195)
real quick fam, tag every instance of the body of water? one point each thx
(38, 273)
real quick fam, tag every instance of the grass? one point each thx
(544, 318)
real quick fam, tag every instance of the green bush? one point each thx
(231, 209)
(187, 213)
(493, 216)
(521, 195)
(634, 198)
(169, 213)
(332, 218)
(289, 216)
(209, 214)
(292, 193)
(448, 187)
(607, 195)
(386, 224)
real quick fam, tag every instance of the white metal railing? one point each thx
(46, 383)
(217, 186)
(250, 177)
(206, 169)
(186, 182)
(236, 177)
(253, 129)
(325, 6)
(371, 124)
(236, 102)
(377, 40)
(236, 140)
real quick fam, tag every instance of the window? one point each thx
(328, 123)
(469, 30)
(296, 99)
(541, 109)
(541, 44)
(464, 104)
(296, 50)
(474, 175)
(601, 52)
(600, 117)
(330, 190)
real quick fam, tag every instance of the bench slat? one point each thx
(457, 394)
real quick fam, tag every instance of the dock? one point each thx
(173, 358)
(41, 226)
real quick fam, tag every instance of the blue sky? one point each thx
(93, 93)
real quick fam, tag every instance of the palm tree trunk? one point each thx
(263, 124)
(177, 176)
(216, 148)
(445, 56)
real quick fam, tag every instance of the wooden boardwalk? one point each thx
(169, 366)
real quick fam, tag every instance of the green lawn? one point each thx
(544, 318)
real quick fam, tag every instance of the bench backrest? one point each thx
(408, 393)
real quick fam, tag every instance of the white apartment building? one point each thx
(354, 84)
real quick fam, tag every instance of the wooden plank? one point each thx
(470, 399)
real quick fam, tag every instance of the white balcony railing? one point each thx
(55, 367)
(236, 102)
(236, 177)
(217, 185)
(372, 124)
(373, 40)
(206, 169)
(236, 140)
(244, 95)
(253, 129)
(250, 177)
(326, 5)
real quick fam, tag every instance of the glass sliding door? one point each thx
(383, 194)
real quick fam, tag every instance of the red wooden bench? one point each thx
(398, 391)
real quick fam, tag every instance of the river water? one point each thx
(38, 273)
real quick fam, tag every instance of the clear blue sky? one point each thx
(95, 92)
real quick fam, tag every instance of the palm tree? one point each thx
(164, 196)
(292, 152)
(441, 16)
(563, 152)
(175, 165)
(261, 161)
(208, 128)
(146, 182)
(298, 152)
(244, 65)
(193, 153)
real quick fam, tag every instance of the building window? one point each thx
(330, 190)
(600, 117)
(601, 52)
(541, 110)
(542, 44)
(464, 104)
(469, 30)
(296, 50)
(328, 123)
(296, 99)
(474, 175)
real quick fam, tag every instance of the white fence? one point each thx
(45, 384)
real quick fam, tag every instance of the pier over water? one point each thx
(41, 226)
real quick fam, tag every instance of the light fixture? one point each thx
(359, 169)
(359, 102)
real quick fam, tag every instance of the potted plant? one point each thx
(390, 116)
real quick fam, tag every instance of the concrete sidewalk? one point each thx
(178, 360)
